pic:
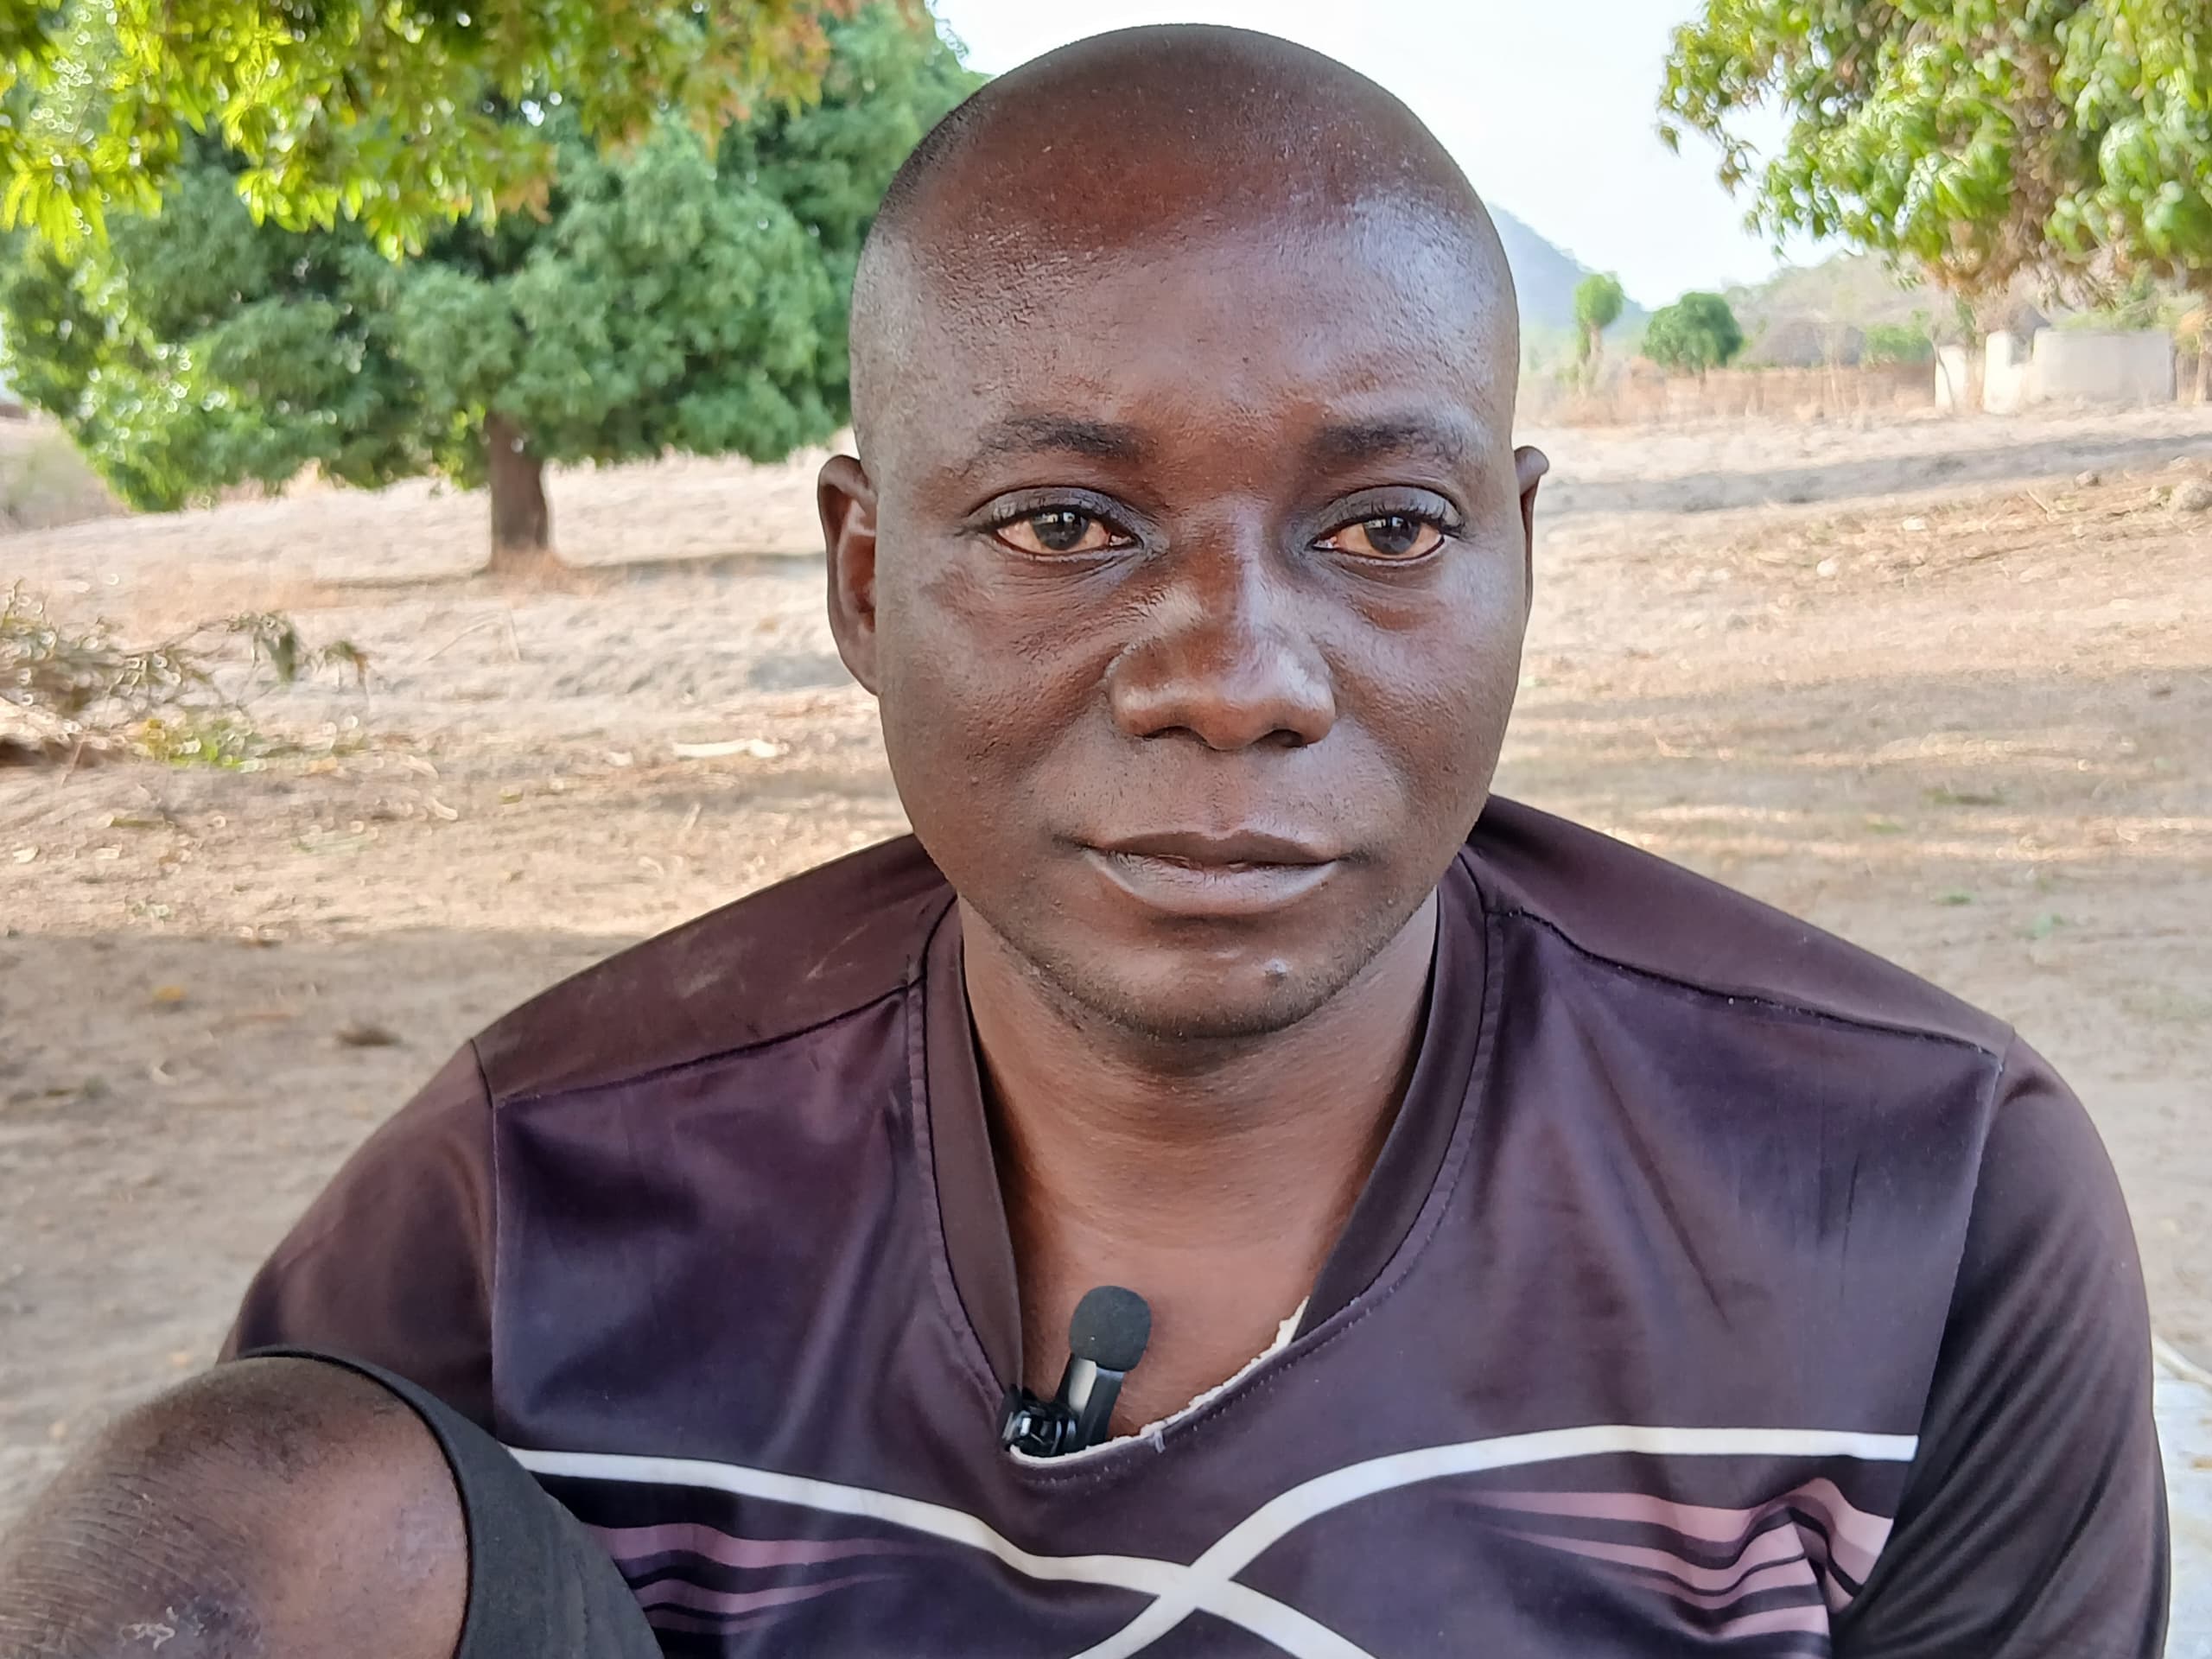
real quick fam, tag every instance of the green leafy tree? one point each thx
(2137, 75)
(1598, 301)
(398, 115)
(672, 296)
(1978, 139)
(1695, 334)
(1896, 342)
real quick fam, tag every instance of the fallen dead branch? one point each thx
(71, 695)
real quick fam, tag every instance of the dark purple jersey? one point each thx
(1719, 1289)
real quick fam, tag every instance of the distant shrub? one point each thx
(1896, 342)
(1696, 333)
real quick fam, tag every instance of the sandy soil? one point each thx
(1910, 680)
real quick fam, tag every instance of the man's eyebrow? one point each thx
(1100, 440)
(1343, 445)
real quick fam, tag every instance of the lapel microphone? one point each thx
(1106, 1338)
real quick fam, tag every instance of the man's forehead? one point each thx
(1016, 253)
(1302, 444)
(1327, 331)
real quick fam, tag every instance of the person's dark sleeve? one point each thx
(2035, 1522)
(392, 1263)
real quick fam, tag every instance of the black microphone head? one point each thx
(1110, 1328)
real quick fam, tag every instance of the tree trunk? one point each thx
(2196, 328)
(522, 524)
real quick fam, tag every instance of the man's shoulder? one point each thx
(1620, 905)
(771, 966)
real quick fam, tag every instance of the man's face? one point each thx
(1194, 603)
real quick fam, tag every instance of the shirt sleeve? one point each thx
(2035, 1522)
(392, 1262)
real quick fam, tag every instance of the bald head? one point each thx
(1132, 144)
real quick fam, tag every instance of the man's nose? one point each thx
(1220, 656)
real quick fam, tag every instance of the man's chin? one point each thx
(1166, 983)
(1203, 1006)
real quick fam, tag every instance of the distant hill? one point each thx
(1544, 276)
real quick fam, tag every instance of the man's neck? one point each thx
(1213, 1181)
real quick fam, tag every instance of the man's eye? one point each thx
(1387, 536)
(1059, 529)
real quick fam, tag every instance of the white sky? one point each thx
(1548, 104)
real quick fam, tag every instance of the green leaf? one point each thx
(1950, 132)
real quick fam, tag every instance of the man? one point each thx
(1549, 1253)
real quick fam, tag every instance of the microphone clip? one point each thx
(1037, 1428)
(1106, 1339)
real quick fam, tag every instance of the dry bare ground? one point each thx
(1908, 679)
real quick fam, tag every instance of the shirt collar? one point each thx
(972, 1211)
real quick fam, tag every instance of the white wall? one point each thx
(2062, 366)
(2005, 384)
(2070, 367)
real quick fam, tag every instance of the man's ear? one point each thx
(847, 502)
(1530, 465)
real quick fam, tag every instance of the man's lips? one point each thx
(1203, 849)
(1242, 873)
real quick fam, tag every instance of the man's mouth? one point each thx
(1242, 873)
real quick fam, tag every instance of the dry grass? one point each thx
(1635, 394)
(67, 693)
